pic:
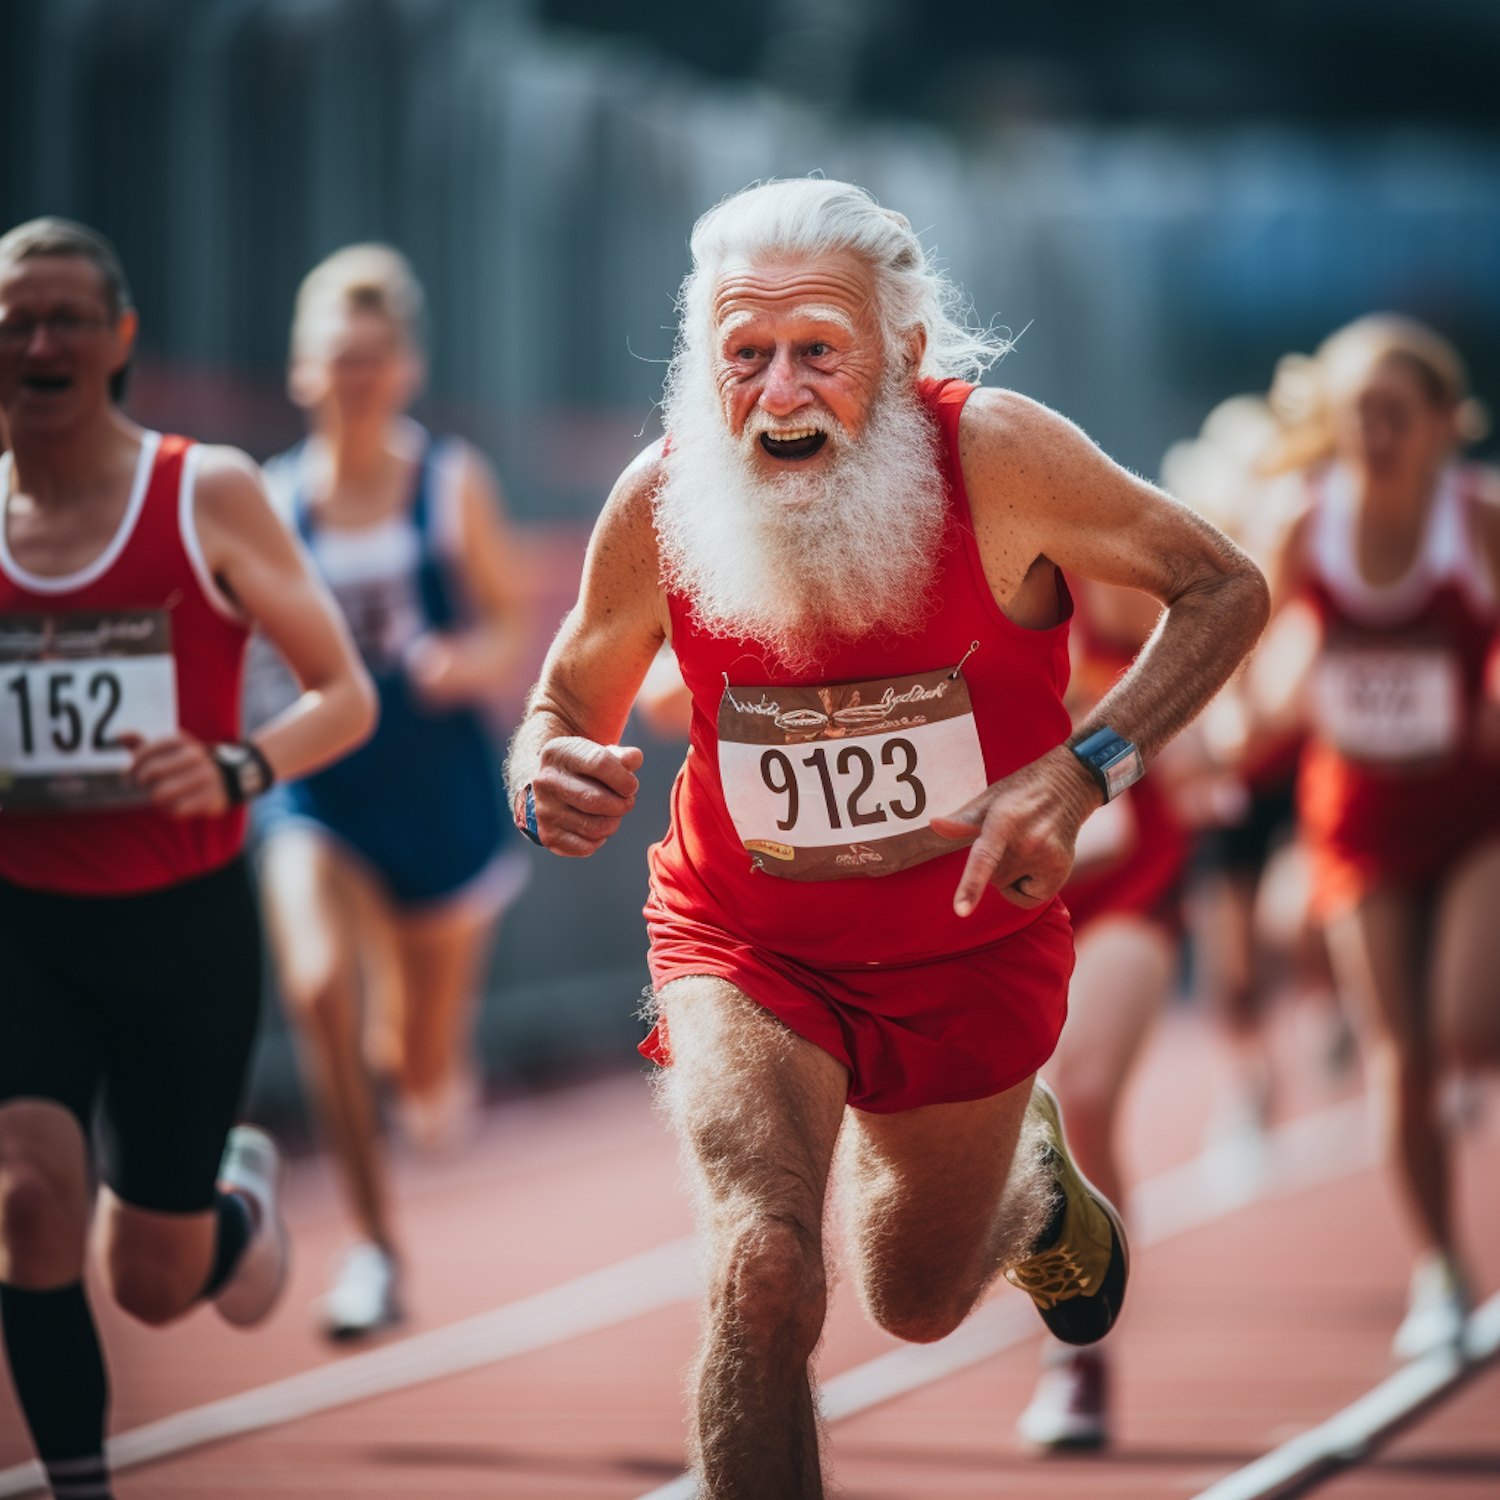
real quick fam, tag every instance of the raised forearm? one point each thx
(326, 722)
(1205, 634)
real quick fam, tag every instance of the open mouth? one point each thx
(47, 385)
(802, 443)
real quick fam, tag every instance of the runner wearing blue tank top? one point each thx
(384, 876)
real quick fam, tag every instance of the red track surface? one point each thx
(1239, 1334)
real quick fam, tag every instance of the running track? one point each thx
(1242, 1331)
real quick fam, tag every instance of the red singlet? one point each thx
(1392, 789)
(814, 950)
(153, 564)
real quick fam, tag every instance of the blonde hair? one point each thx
(360, 278)
(1306, 388)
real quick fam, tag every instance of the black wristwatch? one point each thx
(1112, 760)
(246, 772)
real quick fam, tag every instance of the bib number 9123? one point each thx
(841, 780)
(777, 772)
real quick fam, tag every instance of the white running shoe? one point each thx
(1436, 1308)
(252, 1166)
(365, 1296)
(1070, 1408)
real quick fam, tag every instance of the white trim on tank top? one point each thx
(389, 548)
(187, 526)
(65, 583)
(1446, 552)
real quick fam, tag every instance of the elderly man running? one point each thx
(856, 557)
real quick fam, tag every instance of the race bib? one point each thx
(1398, 703)
(70, 686)
(826, 783)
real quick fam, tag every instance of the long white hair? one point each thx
(811, 216)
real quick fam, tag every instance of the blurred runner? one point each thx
(855, 557)
(1123, 897)
(1399, 790)
(384, 877)
(1248, 890)
(132, 566)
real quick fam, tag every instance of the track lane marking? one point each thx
(1311, 1148)
(1353, 1434)
(644, 1283)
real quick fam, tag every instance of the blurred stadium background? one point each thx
(1166, 197)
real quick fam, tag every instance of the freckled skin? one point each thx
(797, 343)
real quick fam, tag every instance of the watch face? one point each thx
(1124, 771)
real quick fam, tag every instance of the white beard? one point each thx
(800, 561)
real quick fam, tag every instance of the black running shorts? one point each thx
(143, 1006)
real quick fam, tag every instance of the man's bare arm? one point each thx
(1044, 496)
(262, 571)
(1077, 508)
(567, 748)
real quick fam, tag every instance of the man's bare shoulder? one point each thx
(623, 571)
(229, 496)
(1011, 445)
(628, 513)
(998, 420)
(225, 473)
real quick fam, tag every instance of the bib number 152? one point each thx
(71, 710)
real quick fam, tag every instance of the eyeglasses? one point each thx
(65, 327)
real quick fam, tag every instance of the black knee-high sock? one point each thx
(231, 1237)
(58, 1371)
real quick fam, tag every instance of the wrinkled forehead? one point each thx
(836, 289)
(51, 278)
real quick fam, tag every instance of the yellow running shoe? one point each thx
(1078, 1268)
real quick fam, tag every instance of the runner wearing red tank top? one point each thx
(131, 568)
(1396, 563)
(855, 557)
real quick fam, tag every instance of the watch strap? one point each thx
(233, 760)
(526, 815)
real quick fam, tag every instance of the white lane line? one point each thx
(1313, 1148)
(645, 1283)
(1354, 1433)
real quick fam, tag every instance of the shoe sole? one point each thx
(1116, 1223)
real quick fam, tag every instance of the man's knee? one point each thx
(770, 1282)
(916, 1307)
(41, 1229)
(153, 1295)
(44, 1194)
(154, 1282)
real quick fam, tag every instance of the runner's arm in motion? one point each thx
(260, 568)
(567, 748)
(477, 660)
(1043, 496)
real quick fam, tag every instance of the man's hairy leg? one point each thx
(936, 1202)
(758, 1110)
